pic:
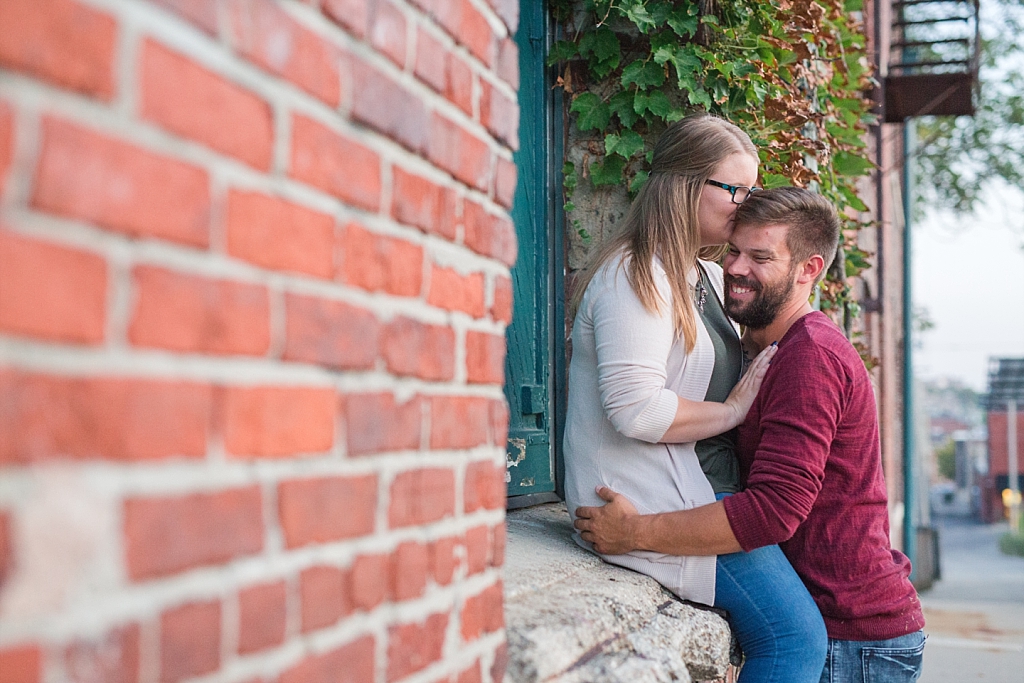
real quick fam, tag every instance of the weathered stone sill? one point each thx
(571, 618)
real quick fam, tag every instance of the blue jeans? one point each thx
(776, 622)
(896, 660)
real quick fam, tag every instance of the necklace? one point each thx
(700, 294)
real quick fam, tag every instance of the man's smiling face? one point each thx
(759, 274)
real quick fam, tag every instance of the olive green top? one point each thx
(717, 454)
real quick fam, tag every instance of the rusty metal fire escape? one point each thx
(934, 59)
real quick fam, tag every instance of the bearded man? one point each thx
(809, 454)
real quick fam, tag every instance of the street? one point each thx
(975, 613)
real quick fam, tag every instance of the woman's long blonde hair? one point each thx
(663, 218)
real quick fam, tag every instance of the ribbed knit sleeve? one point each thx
(799, 406)
(632, 347)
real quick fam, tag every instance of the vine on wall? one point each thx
(792, 73)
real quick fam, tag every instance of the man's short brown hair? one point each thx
(813, 222)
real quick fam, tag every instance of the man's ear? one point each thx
(810, 269)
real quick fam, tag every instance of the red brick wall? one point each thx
(999, 443)
(254, 279)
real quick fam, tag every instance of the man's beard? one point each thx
(761, 311)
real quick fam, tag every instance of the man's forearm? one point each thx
(700, 531)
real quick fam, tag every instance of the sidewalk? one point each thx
(975, 613)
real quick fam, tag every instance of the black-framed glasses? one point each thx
(739, 193)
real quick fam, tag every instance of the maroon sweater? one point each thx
(810, 455)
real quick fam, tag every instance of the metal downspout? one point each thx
(909, 527)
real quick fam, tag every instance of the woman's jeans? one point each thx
(896, 660)
(776, 622)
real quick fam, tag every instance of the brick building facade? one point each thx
(254, 281)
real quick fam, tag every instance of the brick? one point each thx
(483, 613)
(327, 509)
(507, 67)
(380, 263)
(6, 546)
(499, 114)
(187, 313)
(458, 421)
(371, 581)
(114, 659)
(120, 187)
(455, 292)
(446, 13)
(459, 152)
(411, 564)
(476, 34)
(431, 65)
(485, 358)
(50, 291)
(265, 34)
(501, 309)
(262, 615)
(6, 142)
(508, 11)
(60, 41)
(500, 663)
(185, 98)
(490, 235)
(416, 349)
(459, 84)
(128, 420)
(478, 549)
(471, 675)
(324, 597)
(280, 235)
(412, 647)
(334, 164)
(505, 178)
(21, 664)
(385, 106)
(353, 15)
(421, 496)
(202, 13)
(351, 663)
(421, 203)
(189, 641)
(388, 31)
(165, 535)
(499, 422)
(278, 421)
(330, 333)
(484, 487)
(498, 541)
(443, 561)
(378, 423)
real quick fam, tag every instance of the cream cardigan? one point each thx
(626, 370)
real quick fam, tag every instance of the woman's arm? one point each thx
(696, 420)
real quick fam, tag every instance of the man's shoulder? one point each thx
(815, 341)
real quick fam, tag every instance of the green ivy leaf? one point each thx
(849, 164)
(685, 20)
(607, 172)
(775, 180)
(561, 51)
(593, 113)
(638, 181)
(659, 105)
(638, 14)
(602, 50)
(622, 105)
(625, 145)
(644, 74)
(853, 5)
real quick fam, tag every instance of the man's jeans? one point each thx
(897, 660)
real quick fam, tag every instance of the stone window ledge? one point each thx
(571, 618)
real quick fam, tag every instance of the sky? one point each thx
(968, 273)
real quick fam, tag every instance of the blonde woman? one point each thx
(655, 391)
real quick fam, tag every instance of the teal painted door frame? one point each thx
(534, 365)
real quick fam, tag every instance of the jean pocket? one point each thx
(892, 664)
